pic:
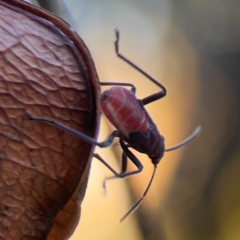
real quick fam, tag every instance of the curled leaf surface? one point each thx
(45, 70)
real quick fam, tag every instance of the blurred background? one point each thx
(192, 47)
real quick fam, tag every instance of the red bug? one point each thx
(135, 128)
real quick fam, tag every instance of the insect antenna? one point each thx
(187, 140)
(136, 204)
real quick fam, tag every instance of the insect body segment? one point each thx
(129, 116)
(124, 111)
(150, 142)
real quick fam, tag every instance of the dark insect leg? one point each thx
(126, 154)
(133, 88)
(80, 135)
(189, 139)
(152, 97)
(97, 156)
(118, 175)
(123, 168)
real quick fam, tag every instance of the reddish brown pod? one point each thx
(45, 70)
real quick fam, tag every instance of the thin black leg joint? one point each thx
(152, 97)
(133, 88)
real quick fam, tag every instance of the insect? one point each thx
(134, 127)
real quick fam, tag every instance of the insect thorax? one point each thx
(149, 142)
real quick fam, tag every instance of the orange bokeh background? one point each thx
(192, 48)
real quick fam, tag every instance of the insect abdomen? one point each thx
(124, 111)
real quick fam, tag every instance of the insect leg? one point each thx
(97, 156)
(126, 154)
(133, 88)
(153, 97)
(123, 170)
(80, 135)
(187, 140)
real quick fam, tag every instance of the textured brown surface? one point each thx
(41, 167)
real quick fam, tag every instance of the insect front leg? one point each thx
(153, 97)
(126, 154)
(123, 168)
(80, 135)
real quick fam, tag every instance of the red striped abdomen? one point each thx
(124, 111)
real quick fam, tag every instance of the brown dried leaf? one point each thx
(45, 70)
